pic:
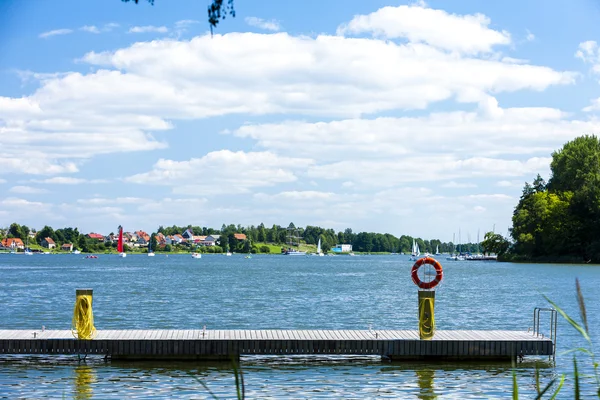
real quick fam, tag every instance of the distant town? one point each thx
(230, 238)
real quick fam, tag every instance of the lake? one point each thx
(284, 292)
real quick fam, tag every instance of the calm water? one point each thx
(279, 292)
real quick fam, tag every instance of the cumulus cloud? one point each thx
(55, 32)
(457, 185)
(133, 93)
(589, 52)
(148, 29)
(372, 173)
(270, 25)
(222, 171)
(62, 180)
(489, 132)
(594, 106)
(26, 190)
(90, 29)
(468, 34)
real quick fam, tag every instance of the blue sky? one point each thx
(386, 116)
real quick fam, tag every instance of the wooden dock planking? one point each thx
(222, 344)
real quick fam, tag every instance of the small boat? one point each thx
(76, 252)
(319, 251)
(28, 251)
(416, 252)
(196, 255)
(150, 252)
(91, 256)
(228, 254)
(248, 256)
(120, 243)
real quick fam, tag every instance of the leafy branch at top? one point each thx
(218, 10)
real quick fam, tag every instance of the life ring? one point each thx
(439, 273)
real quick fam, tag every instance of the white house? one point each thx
(342, 248)
(210, 240)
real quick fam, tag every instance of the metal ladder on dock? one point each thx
(553, 323)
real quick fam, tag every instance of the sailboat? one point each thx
(415, 251)
(120, 243)
(28, 252)
(437, 250)
(150, 252)
(319, 251)
(291, 251)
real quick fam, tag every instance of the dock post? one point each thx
(83, 315)
(426, 314)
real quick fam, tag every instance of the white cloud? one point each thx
(589, 52)
(2, 180)
(594, 106)
(389, 172)
(100, 201)
(90, 29)
(307, 195)
(55, 32)
(271, 25)
(489, 132)
(468, 34)
(184, 23)
(222, 172)
(26, 190)
(183, 26)
(62, 180)
(34, 163)
(530, 36)
(325, 75)
(456, 185)
(148, 29)
(504, 183)
(134, 91)
(110, 26)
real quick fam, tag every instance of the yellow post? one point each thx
(83, 316)
(426, 314)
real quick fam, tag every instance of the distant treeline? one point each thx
(276, 234)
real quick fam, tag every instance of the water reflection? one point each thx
(425, 381)
(85, 377)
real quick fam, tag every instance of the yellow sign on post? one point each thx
(83, 316)
(426, 314)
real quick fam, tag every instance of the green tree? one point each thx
(153, 242)
(45, 232)
(495, 243)
(262, 233)
(224, 243)
(14, 231)
(576, 165)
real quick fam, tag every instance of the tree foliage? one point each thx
(217, 11)
(562, 218)
(495, 243)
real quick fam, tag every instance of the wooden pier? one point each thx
(225, 344)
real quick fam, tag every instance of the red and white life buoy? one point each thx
(439, 273)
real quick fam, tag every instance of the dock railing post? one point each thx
(553, 325)
(426, 314)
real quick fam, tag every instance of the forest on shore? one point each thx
(559, 220)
